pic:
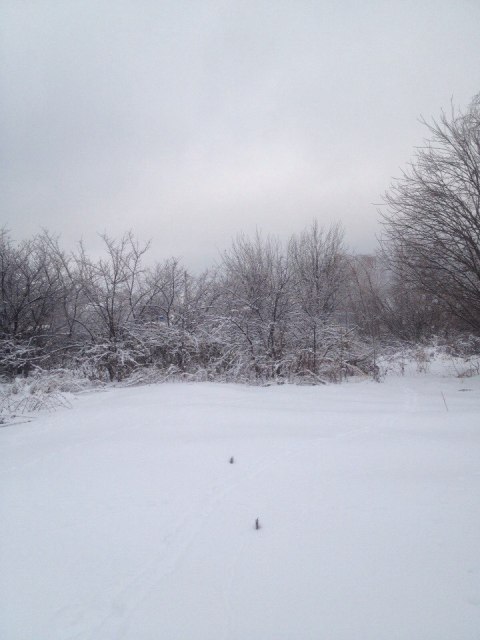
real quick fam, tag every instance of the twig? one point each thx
(444, 401)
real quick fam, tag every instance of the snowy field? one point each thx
(122, 518)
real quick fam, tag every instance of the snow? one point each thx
(122, 518)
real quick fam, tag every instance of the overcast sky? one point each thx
(190, 121)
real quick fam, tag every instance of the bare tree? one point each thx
(31, 289)
(319, 271)
(256, 304)
(432, 216)
(385, 306)
(164, 282)
(115, 296)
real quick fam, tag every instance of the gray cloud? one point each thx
(191, 121)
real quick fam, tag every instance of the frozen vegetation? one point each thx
(144, 496)
(124, 516)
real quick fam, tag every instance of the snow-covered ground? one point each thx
(122, 518)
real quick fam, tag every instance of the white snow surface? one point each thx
(122, 518)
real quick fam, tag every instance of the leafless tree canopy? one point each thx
(432, 216)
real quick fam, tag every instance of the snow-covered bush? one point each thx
(25, 395)
(302, 312)
(457, 355)
(42, 390)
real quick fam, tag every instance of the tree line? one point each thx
(305, 310)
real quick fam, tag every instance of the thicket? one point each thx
(304, 311)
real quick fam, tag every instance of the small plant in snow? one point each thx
(42, 390)
(422, 359)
